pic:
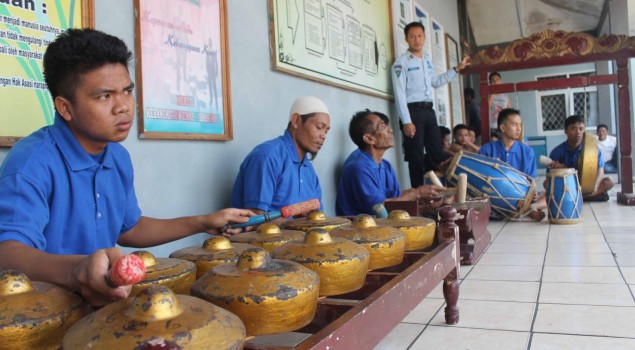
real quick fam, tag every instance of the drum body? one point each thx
(509, 190)
(564, 196)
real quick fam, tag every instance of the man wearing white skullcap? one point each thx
(279, 172)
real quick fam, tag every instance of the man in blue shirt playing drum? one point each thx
(67, 190)
(368, 179)
(515, 153)
(566, 155)
(413, 78)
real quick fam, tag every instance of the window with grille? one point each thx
(555, 105)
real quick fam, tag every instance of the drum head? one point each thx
(588, 163)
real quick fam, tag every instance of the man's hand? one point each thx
(427, 191)
(409, 130)
(215, 222)
(89, 278)
(557, 165)
(464, 63)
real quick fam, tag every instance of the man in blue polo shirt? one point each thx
(67, 191)
(279, 172)
(567, 153)
(368, 179)
(513, 152)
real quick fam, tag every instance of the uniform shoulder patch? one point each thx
(398, 68)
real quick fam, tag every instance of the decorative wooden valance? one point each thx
(550, 44)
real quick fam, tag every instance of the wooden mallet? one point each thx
(285, 212)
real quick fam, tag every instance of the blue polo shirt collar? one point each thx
(568, 147)
(290, 144)
(368, 158)
(74, 154)
(514, 149)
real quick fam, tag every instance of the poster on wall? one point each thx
(26, 29)
(342, 43)
(455, 86)
(182, 73)
(442, 98)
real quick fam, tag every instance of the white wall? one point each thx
(177, 178)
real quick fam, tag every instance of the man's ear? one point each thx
(296, 120)
(64, 107)
(368, 139)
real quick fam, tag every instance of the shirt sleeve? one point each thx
(260, 178)
(399, 89)
(24, 211)
(530, 166)
(486, 150)
(440, 80)
(600, 159)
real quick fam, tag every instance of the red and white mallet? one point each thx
(127, 270)
(285, 212)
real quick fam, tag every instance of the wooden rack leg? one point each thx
(451, 295)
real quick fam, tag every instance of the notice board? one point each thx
(347, 43)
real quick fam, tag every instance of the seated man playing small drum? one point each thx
(515, 153)
(368, 179)
(566, 155)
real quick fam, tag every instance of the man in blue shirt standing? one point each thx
(67, 191)
(515, 153)
(566, 155)
(368, 179)
(413, 78)
(279, 172)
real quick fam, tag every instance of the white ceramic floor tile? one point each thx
(492, 315)
(519, 238)
(401, 337)
(575, 237)
(623, 247)
(505, 273)
(435, 337)
(562, 259)
(584, 274)
(499, 291)
(629, 274)
(527, 248)
(424, 312)
(621, 237)
(579, 247)
(610, 321)
(625, 260)
(586, 294)
(510, 259)
(541, 341)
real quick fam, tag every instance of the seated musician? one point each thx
(514, 152)
(567, 153)
(608, 145)
(67, 192)
(279, 172)
(463, 140)
(368, 179)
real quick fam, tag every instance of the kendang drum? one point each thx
(564, 197)
(509, 190)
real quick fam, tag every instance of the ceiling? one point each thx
(501, 21)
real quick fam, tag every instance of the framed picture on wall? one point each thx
(26, 29)
(455, 86)
(183, 89)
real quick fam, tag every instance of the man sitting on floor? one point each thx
(463, 140)
(567, 153)
(514, 152)
(607, 144)
(368, 179)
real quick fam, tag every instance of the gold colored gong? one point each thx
(269, 295)
(386, 244)
(157, 312)
(215, 251)
(588, 163)
(35, 315)
(175, 274)
(340, 263)
(419, 231)
(268, 236)
(315, 219)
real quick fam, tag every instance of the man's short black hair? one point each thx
(504, 114)
(572, 120)
(413, 25)
(361, 125)
(493, 74)
(469, 92)
(602, 126)
(76, 52)
(458, 127)
(444, 131)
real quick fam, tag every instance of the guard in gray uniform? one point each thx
(413, 78)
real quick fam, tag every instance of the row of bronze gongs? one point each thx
(246, 276)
